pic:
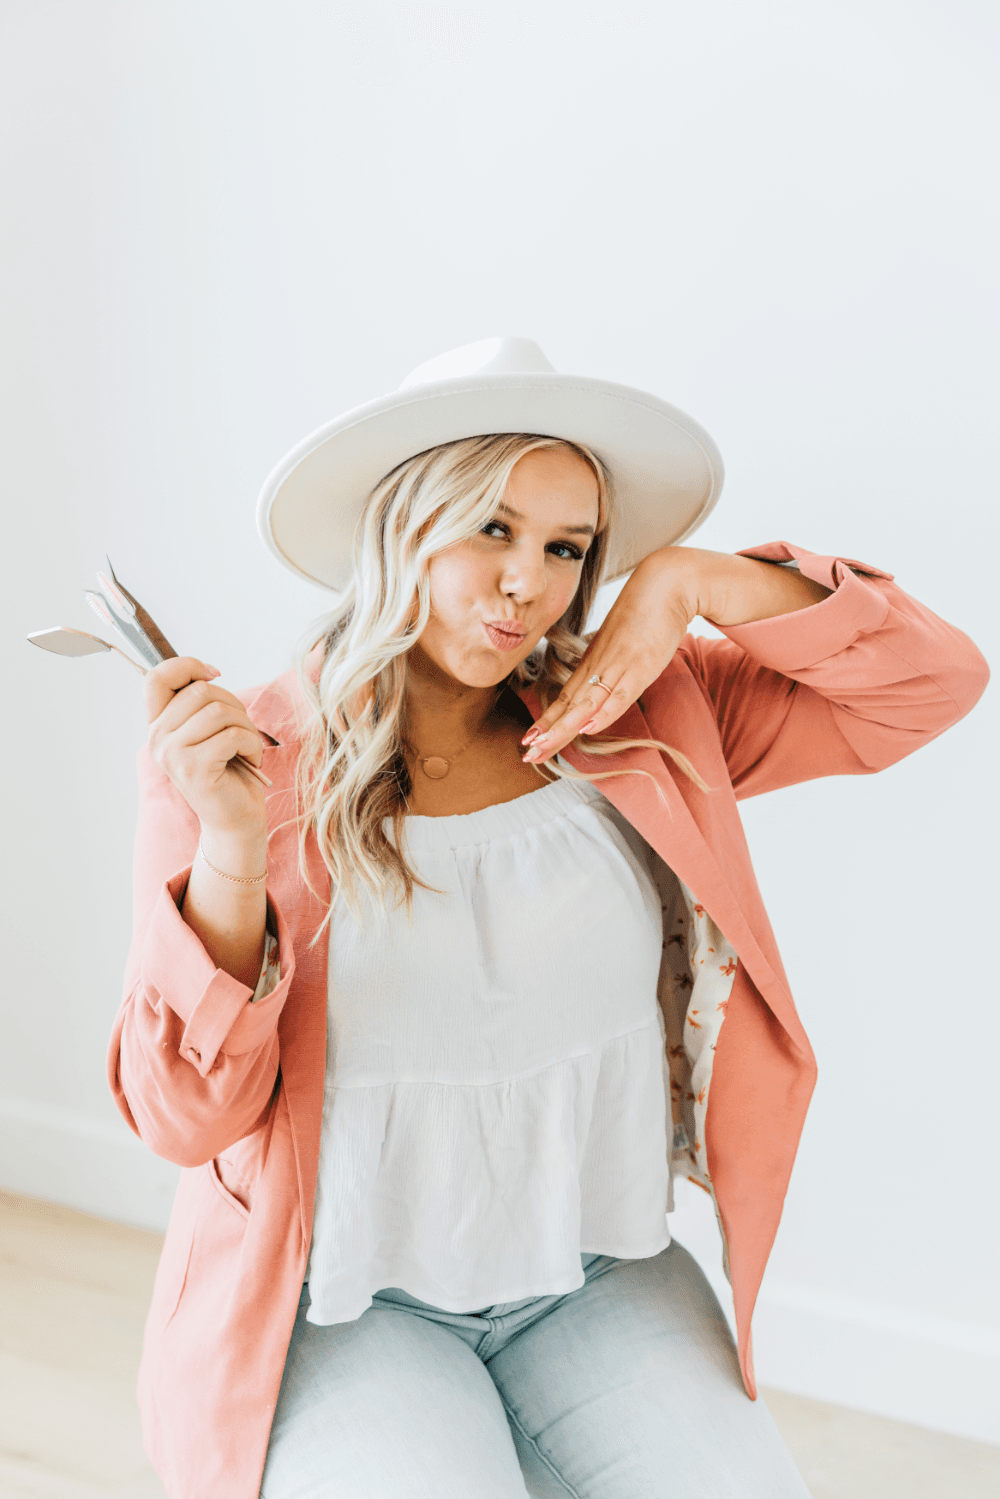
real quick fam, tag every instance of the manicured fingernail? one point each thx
(588, 727)
(531, 735)
(535, 753)
(213, 669)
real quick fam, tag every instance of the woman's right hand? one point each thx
(196, 730)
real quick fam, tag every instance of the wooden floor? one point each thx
(73, 1298)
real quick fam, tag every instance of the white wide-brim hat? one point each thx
(666, 470)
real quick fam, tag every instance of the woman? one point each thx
(422, 1249)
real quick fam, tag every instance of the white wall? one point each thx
(228, 222)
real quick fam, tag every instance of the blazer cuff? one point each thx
(796, 641)
(215, 1007)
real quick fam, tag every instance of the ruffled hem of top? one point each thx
(465, 1196)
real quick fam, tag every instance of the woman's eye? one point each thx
(564, 550)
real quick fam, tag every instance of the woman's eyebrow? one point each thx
(511, 514)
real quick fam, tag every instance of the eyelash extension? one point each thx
(576, 555)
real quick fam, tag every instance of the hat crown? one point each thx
(488, 356)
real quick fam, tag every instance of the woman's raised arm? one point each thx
(192, 1063)
(829, 669)
(848, 687)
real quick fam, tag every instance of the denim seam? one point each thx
(486, 1346)
(541, 1455)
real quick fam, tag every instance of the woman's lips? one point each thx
(504, 639)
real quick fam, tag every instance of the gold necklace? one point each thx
(436, 767)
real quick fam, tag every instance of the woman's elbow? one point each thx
(190, 1125)
(974, 683)
(191, 1143)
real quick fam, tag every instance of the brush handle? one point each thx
(261, 777)
(140, 669)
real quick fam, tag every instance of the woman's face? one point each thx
(494, 597)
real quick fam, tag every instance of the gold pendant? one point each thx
(436, 767)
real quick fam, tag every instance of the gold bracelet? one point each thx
(236, 878)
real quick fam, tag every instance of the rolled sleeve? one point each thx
(794, 642)
(216, 1009)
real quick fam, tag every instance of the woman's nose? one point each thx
(524, 576)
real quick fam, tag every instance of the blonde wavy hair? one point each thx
(352, 774)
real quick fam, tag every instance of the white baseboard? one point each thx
(923, 1370)
(95, 1165)
(908, 1366)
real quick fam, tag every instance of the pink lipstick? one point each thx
(505, 634)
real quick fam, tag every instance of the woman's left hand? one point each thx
(637, 640)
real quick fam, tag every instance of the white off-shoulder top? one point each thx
(497, 1099)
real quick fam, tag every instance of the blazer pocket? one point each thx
(229, 1186)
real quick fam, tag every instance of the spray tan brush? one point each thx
(117, 608)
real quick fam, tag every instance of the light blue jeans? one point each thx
(627, 1388)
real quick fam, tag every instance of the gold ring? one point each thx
(596, 682)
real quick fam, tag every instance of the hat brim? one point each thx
(667, 471)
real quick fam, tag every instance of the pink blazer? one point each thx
(233, 1092)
